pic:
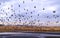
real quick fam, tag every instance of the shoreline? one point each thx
(29, 29)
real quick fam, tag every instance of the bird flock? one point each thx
(29, 12)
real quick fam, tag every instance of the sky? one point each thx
(30, 12)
